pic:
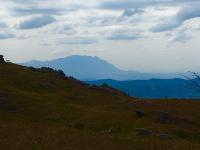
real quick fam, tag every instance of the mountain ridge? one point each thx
(154, 88)
(94, 68)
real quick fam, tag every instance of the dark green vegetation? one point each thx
(41, 109)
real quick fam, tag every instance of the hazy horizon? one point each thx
(155, 36)
(107, 61)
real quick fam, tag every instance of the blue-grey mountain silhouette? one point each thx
(94, 68)
(154, 88)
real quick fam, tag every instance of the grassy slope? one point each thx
(42, 111)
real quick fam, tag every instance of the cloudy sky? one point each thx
(141, 35)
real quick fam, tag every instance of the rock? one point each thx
(165, 116)
(139, 113)
(109, 131)
(2, 59)
(142, 132)
(164, 136)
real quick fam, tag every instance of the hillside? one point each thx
(154, 88)
(94, 68)
(41, 109)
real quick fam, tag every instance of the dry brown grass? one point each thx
(65, 114)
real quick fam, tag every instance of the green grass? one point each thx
(43, 111)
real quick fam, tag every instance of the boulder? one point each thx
(139, 113)
(142, 132)
(165, 117)
(109, 131)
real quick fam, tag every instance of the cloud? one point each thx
(166, 26)
(185, 14)
(182, 37)
(78, 41)
(125, 35)
(131, 4)
(125, 4)
(25, 1)
(188, 12)
(65, 29)
(43, 7)
(130, 12)
(37, 22)
(6, 35)
(5, 32)
(35, 10)
(3, 24)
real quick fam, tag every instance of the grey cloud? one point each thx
(3, 24)
(37, 22)
(125, 35)
(65, 29)
(166, 26)
(126, 4)
(5, 32)
(182, 37)
(103, 21)
(34, 7)
(6, 35)
(123, 5)
(35, 10)
(79, 41)
(26, 1)
(186, 13)
(130, 12)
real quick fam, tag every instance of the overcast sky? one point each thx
(141, 35)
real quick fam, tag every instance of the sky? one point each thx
(142, 35)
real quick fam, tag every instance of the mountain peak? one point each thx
(91, 68)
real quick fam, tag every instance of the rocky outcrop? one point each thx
(2, 59)
(59, 72)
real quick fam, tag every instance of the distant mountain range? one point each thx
(155, 88)
(94, 68)
(143, 85)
